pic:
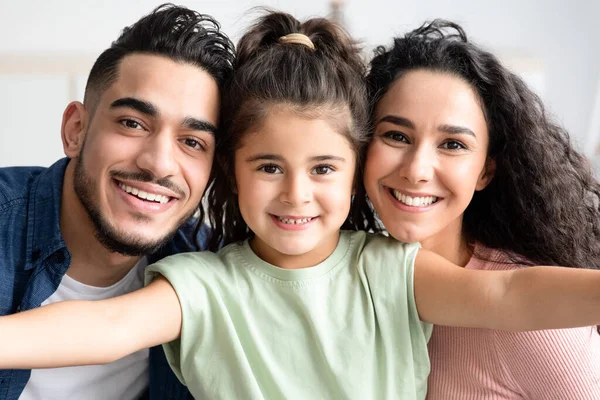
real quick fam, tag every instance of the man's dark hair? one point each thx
(181, 34)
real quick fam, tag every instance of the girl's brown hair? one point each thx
(325, 80)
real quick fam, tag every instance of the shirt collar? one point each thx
(43, 228)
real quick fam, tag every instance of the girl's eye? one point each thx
(396, 136)
(322, 169)
(453, 145)
(194, 144)
(131, 123)
(270, 169)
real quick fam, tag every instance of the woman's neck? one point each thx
(451, 244)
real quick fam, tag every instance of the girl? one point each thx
(464, 160)
(292, 307)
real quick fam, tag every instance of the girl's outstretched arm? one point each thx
(90, 332)
(524, 299)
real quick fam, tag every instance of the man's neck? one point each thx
(91, 263)
(451, 244)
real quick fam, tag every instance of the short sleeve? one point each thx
(411, 250)
(186, 272)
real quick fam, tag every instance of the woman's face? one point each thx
(427, 156)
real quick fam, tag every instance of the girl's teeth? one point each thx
(157, 198)
(414, 201)
(294, 221)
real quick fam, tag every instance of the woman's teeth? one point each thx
(414, 201)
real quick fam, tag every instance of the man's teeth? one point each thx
(158, 198)
(414, 201)
(294, 221)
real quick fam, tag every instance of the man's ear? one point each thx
(73, 129)
(487, 174)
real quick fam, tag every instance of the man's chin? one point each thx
(131, 243)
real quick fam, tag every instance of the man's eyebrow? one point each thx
(456, 130)
(149, 109)
(199, 125)
(397, 120)
(139, 105)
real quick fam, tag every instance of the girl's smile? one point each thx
(294, 177)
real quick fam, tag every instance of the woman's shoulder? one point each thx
(487, 258)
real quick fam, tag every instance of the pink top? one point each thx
(484, 364)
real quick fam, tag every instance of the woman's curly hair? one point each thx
(542, 206)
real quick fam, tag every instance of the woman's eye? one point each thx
(396, 136)
(322, 169)
(194, 144)
(131, 123)
(269, 169)
(453, 145)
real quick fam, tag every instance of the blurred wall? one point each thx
(46, 49)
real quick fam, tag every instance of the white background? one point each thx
(47, 47)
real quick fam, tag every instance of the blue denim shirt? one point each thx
(34, 259)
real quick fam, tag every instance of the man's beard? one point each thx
(109, 236)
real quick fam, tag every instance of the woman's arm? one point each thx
(517, 300)
(90, 332)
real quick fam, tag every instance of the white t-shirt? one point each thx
(124, 379)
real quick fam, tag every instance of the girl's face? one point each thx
(427, 156)
(294, 178)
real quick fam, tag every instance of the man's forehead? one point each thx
(168, 85)
(139, 70)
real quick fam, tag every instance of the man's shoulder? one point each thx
(191, 236)
(16, 182)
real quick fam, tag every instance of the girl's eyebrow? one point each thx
(265, 156)
(327, 158)
(275, 157)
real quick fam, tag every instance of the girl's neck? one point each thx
(451, 244)
(295, 261)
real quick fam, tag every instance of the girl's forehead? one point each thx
(291, 124)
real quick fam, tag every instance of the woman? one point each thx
(464, 159)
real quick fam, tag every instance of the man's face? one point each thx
(147, 152)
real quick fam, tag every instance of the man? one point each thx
(140, 150)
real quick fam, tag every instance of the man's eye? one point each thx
(131, 123)
(194, 144)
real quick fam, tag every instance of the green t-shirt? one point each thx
(345, 329)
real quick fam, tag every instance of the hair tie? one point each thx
(298, 38)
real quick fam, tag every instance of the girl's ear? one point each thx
(487, 174)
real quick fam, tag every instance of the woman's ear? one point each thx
(487, 174)
(73, 128)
